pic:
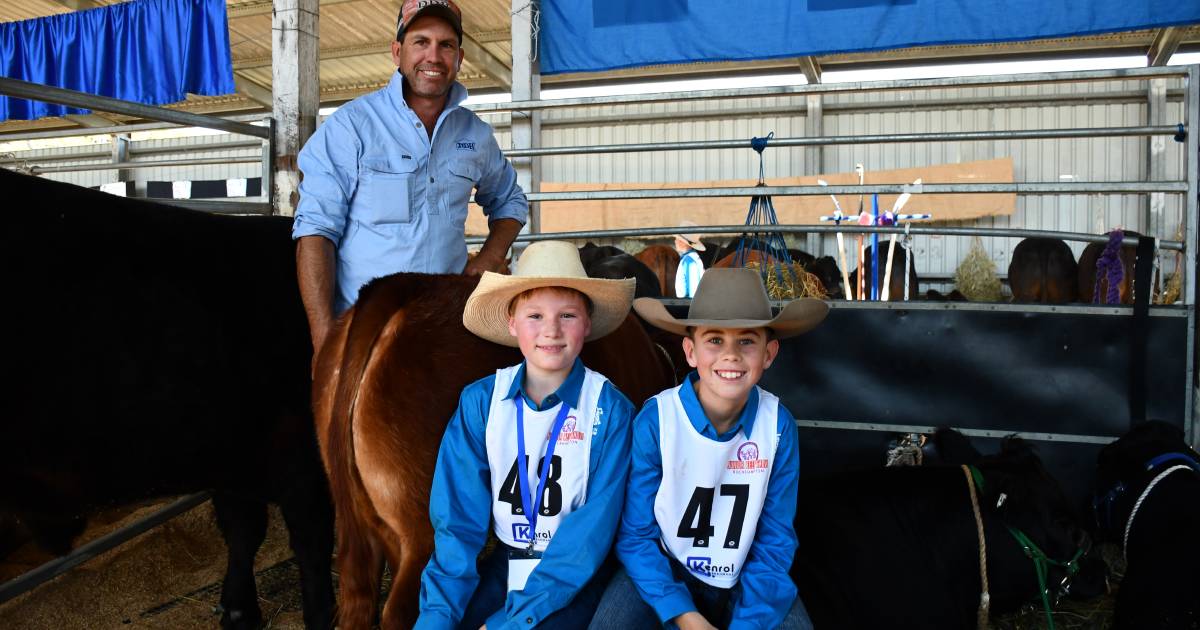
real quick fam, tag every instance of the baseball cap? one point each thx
(413, 9)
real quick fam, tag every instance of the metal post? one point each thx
(526, 86)
(120, 154)
(295, 77)
(1190, 216)
(814, 158)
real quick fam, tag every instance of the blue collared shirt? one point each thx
(391, 199)
(687, 276)
(767, 591)
(460, 507)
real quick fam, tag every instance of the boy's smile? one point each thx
(730, 363)
(550, 327)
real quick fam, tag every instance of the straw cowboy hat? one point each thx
(735, 298)
(693, 240)
(545, 264)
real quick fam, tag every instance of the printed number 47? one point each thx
(697, 517)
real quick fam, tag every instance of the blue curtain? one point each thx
(148, 51)
(594, 35)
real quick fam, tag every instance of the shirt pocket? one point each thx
(386, 193)
(463, 176)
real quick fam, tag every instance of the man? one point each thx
(388, 176)
(691, 268)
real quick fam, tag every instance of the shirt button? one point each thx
(417, 125)
(529, 620)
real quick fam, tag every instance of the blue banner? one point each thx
(594, 35)
(147, 51)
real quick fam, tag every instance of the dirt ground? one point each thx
(169, 577)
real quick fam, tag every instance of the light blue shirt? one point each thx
(687, 276)
(460, 508)
(766, 590)
(391, 199)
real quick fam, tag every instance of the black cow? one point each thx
(155, 351)
(1161, 587)
(606, 261)
(896, 292)
(898, 548)
(1043, 270)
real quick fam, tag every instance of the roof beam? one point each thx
(490, 64)
(92, 120)
(263, 7)
(811, 69)
(77, 5)
(379, 48)
(253, 91)
(1166, 42)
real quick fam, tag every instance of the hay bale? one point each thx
(789, 282)
(976, 275)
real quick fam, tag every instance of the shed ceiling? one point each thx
(355, 37)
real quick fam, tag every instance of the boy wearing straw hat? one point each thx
(707, 535)
(691, 268)
(536, 453)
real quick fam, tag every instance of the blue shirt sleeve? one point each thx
(329, 162)
(460, 508)
(497, 190)
(767, 588)
(584, 537)
(637, 542)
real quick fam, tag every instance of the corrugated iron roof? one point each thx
(355, 36)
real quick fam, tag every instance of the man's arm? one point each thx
(492, 257)
(315, 265)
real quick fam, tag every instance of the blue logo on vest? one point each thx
(698, 564)
(520, 532)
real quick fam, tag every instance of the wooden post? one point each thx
(296, 82)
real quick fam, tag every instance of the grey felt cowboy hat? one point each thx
(735, 298)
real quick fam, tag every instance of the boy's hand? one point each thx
(693, 621)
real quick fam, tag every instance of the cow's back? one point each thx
(152, 350)
(1043, 270)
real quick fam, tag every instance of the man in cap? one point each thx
(387, 177)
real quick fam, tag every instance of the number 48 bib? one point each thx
(712, 492)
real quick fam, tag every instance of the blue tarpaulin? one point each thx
(147, 51)
(594, 35)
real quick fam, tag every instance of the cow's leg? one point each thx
(402, 603)
(360, 567)
(308, 513)
(243, 523)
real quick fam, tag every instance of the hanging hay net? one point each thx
(976, 275)
(790, 281)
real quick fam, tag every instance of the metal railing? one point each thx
(72, 98)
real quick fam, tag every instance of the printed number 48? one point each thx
(697, 517)
(551, 503)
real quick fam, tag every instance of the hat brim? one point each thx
(798, 317)
(694, 243)
(486, 311)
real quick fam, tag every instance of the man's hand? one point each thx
(693, 621)
(485, 261)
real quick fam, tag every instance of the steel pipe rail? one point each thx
(1029, 188)
(83, 100)
(960, 136)
(848, 228)
(1034, 78)
(32, 579)
(106, 166)
(100, 131)
(221, 206)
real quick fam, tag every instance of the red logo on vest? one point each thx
(570, 434)
(748, 460)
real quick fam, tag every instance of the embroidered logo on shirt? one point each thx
(464, 146)
(747, 459)
(596, 422)
(569, 434)
(520, 532)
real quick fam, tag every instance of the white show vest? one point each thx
(566, 484)
(712, 492)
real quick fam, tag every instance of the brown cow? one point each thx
(386, 383)
(1043, 271)
(1087, 272)
(663, 261)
